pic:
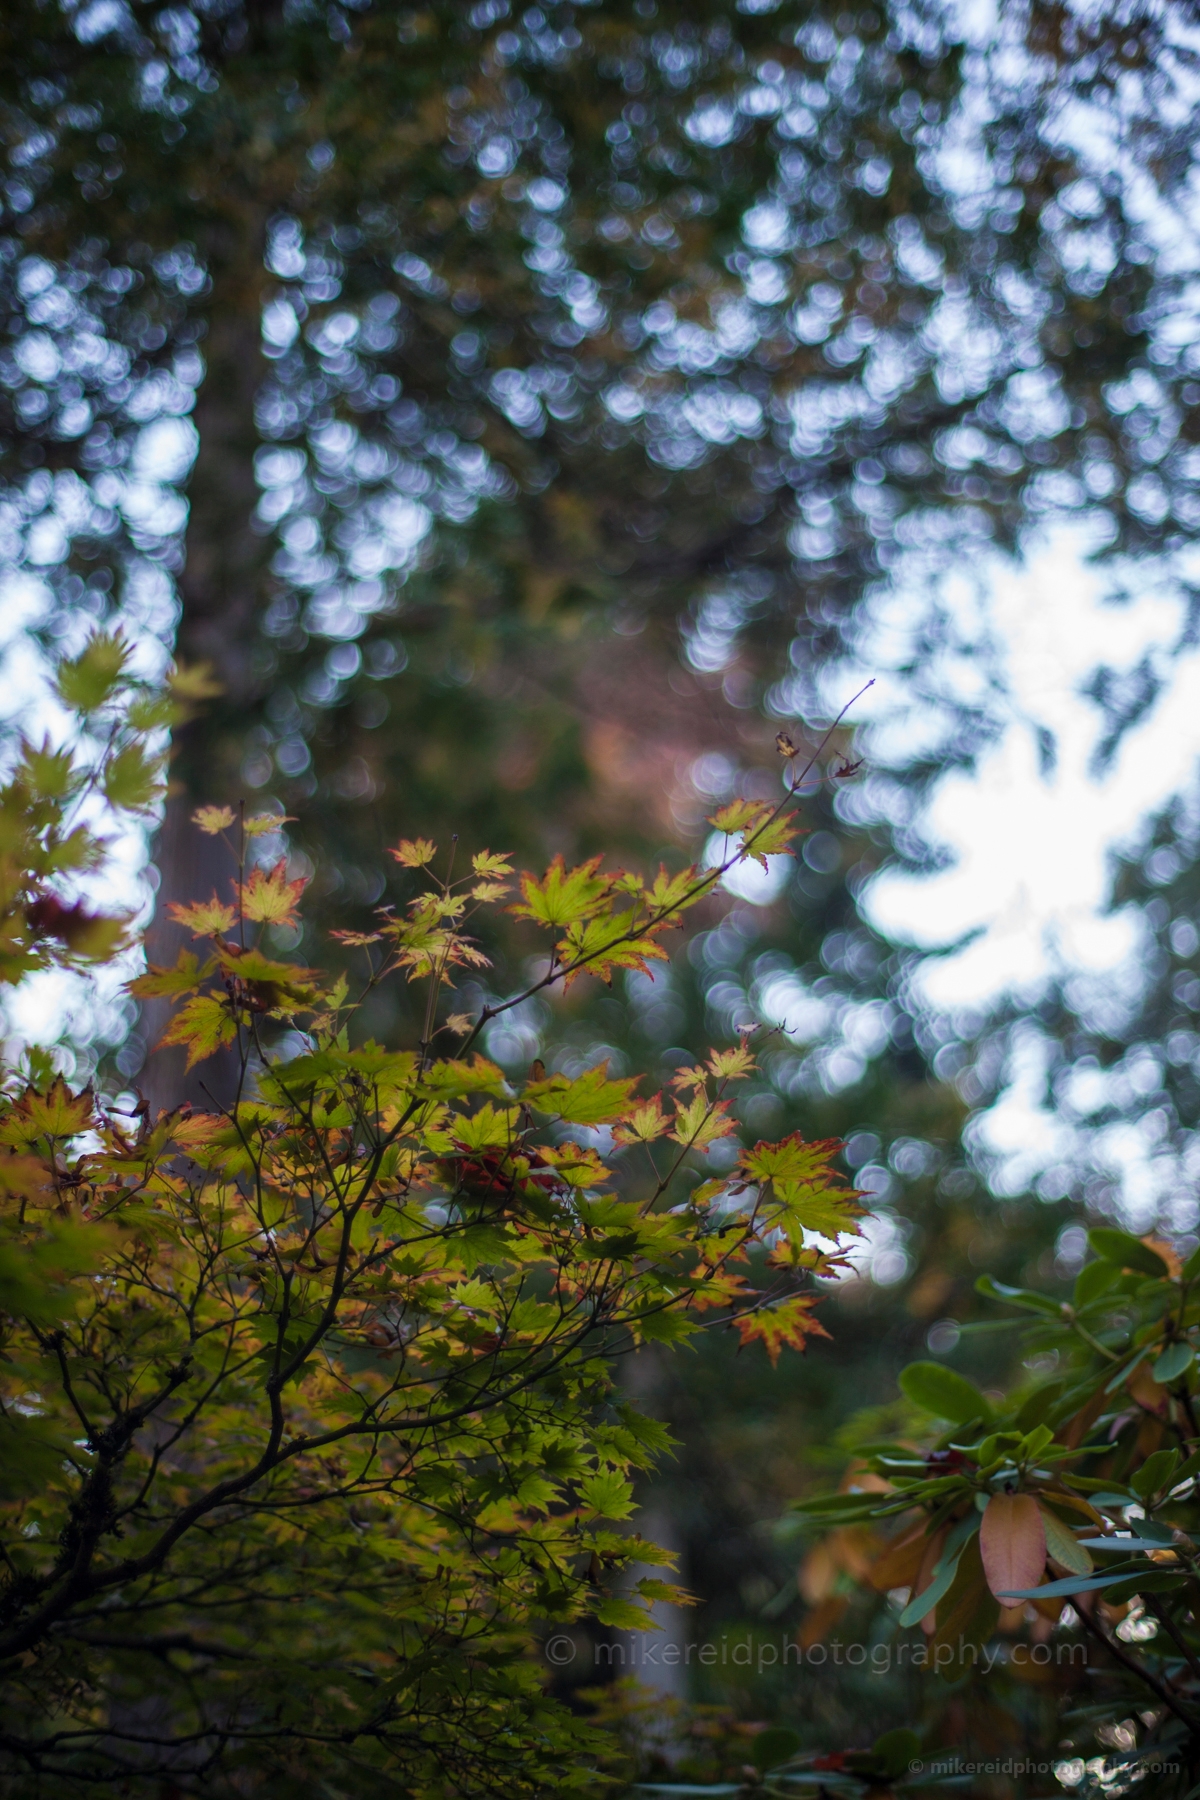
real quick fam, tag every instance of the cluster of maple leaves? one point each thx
(384, 1285)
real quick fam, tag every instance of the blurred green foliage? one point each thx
(521, 354)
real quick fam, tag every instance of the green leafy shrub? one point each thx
(308, 1403)
(1051, 1538)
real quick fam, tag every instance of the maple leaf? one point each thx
(212, 819)
(670, 893)
(694, 1078)
(739, 815)
(724, 1289)
(579, 1168)
(355, 940)
(264, 822)
(642, 1124)
(590, 1099)
(701, 1122)
(414, 853)
(203, 1025)
(563, 897)
(489, 890)
(269, 898)
(56, 1113)
(809, 1190)
(193, 681)
(598, 946)
(459, 1024)
(731, 1065)
(772, 838)
(488, 862)
(424, 947)
(787, 1324)
(266, 984)
(184, 977)
(204, 918)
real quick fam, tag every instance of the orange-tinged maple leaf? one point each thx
(492, 862)
(772, 838)
(589, 1099)
(598, 946)
(269, 898)
(786, 1325)
(812, 1194)
(719, 1289)
(183, 978)
(579, 1168)
(204, 918)
(670, 892)
(739, 814)
(701, 1122)
(731, 1065)
(56, 1113)
(414, 853)
(642, 1123)
(203, 1026)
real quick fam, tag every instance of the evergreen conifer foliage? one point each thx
(486, 320)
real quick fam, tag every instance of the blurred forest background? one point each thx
(523, 414)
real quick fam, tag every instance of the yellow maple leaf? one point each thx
(204, 918)
(212, 819)
(701, 1122)
(731, 1065)
(414, 853)
(489, 862)
(269, 898)
(642, 1124)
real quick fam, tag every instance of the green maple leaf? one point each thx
(563, 896)
(588, 1099)
(184, 977)
(204, 1026)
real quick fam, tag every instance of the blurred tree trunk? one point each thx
(221, 592)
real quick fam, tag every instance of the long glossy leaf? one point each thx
(1012, 1542)
(944, 1572)
(1073, 1584)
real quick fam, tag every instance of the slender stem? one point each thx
(1169, 1626)
(1132, 1667)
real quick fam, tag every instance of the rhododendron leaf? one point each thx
(1012, 1543)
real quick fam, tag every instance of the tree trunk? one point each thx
(222, 594)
